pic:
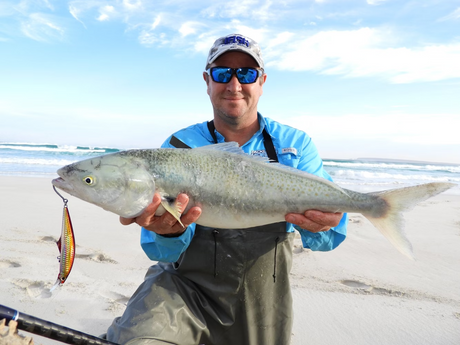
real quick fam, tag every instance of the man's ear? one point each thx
(206, 77)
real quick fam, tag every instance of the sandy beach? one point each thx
(364, 292)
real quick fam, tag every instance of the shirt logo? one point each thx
(259, 153)
(292, 150)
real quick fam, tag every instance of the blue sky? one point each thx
(375, 78)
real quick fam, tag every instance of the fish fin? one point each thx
(391, 223)
(172, 206)
(230, 147)
(233, 147)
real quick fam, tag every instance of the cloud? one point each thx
(190, 28)
(240, 9)
(42, 27)
(106, 13)
(101, 10)
(279, 27)
(455, 15)
(133, 5)
(27, 6)
(375, 2)
(366, 53)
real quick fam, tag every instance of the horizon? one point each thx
(375, 78)
(363, 159)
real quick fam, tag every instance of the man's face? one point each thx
(234, 102)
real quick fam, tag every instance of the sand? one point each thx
(364, 292)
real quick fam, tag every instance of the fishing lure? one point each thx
(66, 245)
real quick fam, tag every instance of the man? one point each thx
(222, 286)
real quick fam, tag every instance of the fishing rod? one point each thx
(50, 330)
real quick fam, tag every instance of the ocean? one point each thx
(364, 175)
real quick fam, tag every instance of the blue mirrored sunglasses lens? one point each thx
(221, 75)
(247, 75)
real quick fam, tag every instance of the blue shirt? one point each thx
(293, 147)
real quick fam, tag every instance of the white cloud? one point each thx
(156, 22)
(190, 28)
(375, 2)
(78, 7)
(455, 15)
(42, 27)
(240, 9)
(365, 53)
(133, 5)
(106, 12)
(27, 6)
(149, 38)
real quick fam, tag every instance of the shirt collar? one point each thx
(221, 139)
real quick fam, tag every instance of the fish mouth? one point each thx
(62, 184)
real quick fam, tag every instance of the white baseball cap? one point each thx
(235, 42)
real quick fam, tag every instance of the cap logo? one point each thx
(236, 39)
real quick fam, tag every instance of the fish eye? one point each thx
(89, 180)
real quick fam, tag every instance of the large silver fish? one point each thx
(233, 189)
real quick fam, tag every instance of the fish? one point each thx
(66, 246)
(234, 190)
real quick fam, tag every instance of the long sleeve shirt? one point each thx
(293, 147)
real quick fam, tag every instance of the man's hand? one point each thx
(165, 224)
(314, 221)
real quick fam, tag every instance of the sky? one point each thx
(375, 78)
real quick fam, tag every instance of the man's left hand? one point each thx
(314, 221)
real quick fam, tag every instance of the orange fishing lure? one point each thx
(66, 245)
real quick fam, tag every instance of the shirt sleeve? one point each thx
(166, 249)
(311, 162)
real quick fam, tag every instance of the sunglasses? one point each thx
(245, 75)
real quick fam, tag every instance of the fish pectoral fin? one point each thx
(172, 206)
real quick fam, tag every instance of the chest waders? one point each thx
(230, 287)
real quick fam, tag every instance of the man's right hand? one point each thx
(165, 224)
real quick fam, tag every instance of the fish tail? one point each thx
(391, 222)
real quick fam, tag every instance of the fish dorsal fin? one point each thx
(232, 147)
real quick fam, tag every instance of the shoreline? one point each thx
(364, 292)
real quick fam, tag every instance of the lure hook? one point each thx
(63, 199)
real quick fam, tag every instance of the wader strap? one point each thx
(178, 144)
(269, 147)
(211, 129)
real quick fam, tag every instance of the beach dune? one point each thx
(364, 292)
